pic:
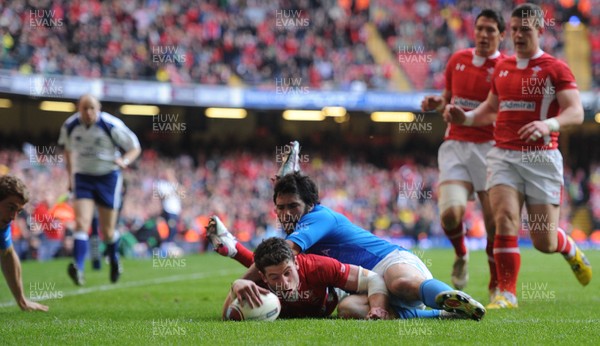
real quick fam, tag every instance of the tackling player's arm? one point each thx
(295, 248)
(571, 113)
(484, 114)
(362, 280)
(11, 268)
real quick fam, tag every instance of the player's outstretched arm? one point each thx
(11, 268)
(571, 113)
(365, 281)
(484, 114)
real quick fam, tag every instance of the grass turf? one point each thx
(178, 301)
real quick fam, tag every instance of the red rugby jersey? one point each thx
(315, 296)
(469, 77)
(526, 90)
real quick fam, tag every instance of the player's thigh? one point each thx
(404, 279)
(507, 203)
(108, 219)
(542, 221)
(542, 171)
(476, 163)
(84, 211)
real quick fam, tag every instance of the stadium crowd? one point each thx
(316, 44)
(398, 203)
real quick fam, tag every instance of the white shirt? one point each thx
(95, 148)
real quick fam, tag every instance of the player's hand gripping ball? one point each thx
(268, 311)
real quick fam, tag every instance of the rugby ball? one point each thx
(268, 311)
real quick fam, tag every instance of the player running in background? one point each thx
(533, 95)
(315, 229)
(461, 158)
(92, 141)
(304, 283)
(13, 196)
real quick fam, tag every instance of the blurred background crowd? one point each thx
(257, 42)
(398, 202)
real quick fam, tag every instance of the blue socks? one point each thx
(430, 289)
(80, 247)
(113, 249)
(405, 314)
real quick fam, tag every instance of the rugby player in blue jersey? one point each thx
(315, 229)
(97, 147)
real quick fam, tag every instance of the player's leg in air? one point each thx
(223, 241)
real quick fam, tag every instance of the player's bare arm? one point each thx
(69, 167)
(484, 114)
(362, 280)
(295, 248)
(11, 268)
(571, 114)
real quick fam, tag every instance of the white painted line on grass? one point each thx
(156, 281)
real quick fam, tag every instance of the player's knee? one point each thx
(406, 288)
(452, 217)
(506, 222)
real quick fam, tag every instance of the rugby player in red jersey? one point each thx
(312, 286)
(461, 158)
(533, 95)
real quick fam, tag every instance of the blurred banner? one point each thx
(287, 95)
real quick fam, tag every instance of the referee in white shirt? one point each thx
(97, 146)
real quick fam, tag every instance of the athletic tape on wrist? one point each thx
(469, 118)
(553, 124)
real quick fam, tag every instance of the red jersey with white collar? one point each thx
(469, 77)
(526, 90)
(315, 296)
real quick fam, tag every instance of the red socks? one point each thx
(564, 245)
(243, 255)
(508, 262)
(457, 238)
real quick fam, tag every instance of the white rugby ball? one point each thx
(268, 311)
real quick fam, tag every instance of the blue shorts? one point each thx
(5, 238)
(103, 189)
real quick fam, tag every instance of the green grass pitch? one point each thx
(178, 301)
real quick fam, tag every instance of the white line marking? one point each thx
(111, 287)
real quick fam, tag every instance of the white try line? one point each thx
(111, 287)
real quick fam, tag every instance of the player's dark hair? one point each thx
(297, 183)
(495, 16)
(13, 186)
(272, 251)
(528, 10)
